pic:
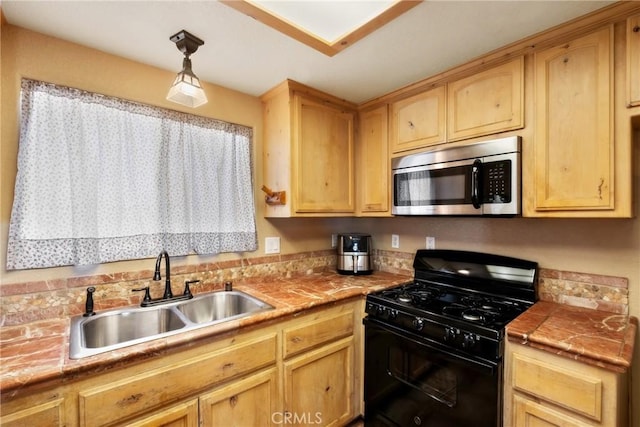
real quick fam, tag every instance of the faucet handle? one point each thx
(147, 294)
(187, 290)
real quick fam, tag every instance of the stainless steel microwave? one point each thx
(482, 178)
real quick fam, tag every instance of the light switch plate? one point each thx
(430, 242)
(271, 245)
(395, 241)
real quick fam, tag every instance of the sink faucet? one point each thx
(168, 297)
(167, 272)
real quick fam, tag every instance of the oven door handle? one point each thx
(485, 367)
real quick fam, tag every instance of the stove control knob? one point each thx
(468, 341)
(449, 334)
(393, 314)
(418, 323)
(380, 311)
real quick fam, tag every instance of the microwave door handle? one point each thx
(475, 183)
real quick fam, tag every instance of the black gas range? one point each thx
(434, 346)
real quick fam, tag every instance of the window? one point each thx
(102, 179)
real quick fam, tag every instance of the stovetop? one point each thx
(492, 312)
(458, 299)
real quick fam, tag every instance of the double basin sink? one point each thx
(114, 329)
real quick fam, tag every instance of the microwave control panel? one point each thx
(497, 182)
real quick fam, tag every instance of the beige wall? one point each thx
(28, 54)
(610, 247)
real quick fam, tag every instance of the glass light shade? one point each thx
(186, 89)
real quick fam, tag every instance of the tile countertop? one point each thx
(590, 336)
(38, 354)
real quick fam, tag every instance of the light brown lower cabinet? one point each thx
(299, 371)
(184, 414)
(36, 410)
(545, 389)
(320, 367)
(318, 386)
(252, 401)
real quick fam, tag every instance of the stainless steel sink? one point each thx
(122, 326)
(221, 306)
(114, 329)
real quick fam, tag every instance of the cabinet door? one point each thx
(487, 102)
(418, 121)
(319, 386)
(573, 144)
(373, 169)
(324, 152)
(249, 402)
(633, 59)
(46, 414)
(529, 413)
(181, 415)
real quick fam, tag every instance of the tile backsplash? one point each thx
(22, 303)
(604, 293)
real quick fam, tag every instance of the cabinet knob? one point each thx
(411, 124)
(636, 29)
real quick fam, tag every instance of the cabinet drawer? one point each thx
(140, 393)
(572, 389)
(315, 333)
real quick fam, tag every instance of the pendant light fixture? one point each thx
(186, 89)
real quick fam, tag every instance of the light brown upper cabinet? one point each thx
(309, 152)
(573, 151)
(633, 60)
(418, 121)
(487, 102)
(372, 160)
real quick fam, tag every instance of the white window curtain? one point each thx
(102, 179)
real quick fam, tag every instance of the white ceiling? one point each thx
(243, 54)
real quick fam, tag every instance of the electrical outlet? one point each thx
(334, 240)
(395, 241)
(431, 242)
(271, 245)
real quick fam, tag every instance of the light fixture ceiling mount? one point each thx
(186, 42)
(186, 89)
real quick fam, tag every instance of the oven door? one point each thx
(409, 381)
